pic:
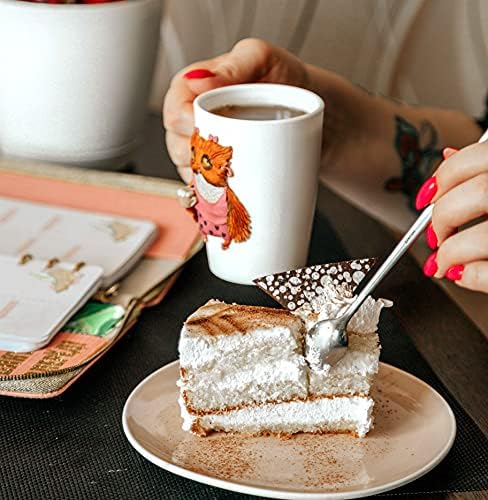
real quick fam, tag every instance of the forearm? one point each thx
(389, 139)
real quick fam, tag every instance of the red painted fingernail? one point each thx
(198, 73)
(426, 193)
(455, 273)
(431, 237)
(446, 152)
(430, 266)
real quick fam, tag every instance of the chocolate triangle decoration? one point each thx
(294, 288)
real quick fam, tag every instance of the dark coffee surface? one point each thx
(257, 112)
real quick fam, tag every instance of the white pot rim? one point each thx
(61, 9)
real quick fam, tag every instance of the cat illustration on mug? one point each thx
(217, 210)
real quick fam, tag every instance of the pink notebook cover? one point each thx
(177, 231)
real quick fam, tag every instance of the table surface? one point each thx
(452, 345)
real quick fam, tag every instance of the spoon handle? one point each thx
(403, 245)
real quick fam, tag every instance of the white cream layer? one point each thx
(319, 415)
(231, 370)
(227, 386)
(200, 353)
(354, 373)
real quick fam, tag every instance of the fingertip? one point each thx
(431, 237)
(430, 265)
(198, 73)
(474, 276)
(447, 152)
(426, 193)
(197, 86)
(455, 273)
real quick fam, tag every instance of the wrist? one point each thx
(352, 115)
(454, 128)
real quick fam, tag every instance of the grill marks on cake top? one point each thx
(218, 318)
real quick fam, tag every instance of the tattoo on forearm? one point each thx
(418, 152)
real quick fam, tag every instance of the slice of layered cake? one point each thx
(243, 369)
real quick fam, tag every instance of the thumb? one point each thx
(250, 60)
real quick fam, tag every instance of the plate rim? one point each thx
(283, 493)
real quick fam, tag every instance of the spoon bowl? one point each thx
(327, 342)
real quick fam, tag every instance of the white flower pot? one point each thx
(74, 79)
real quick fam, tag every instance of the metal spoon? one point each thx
(326, 342)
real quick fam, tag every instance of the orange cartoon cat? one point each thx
(218, 210)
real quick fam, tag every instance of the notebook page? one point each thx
(111, 242)
(36, 300)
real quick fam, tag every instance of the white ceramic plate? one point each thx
(414, 430)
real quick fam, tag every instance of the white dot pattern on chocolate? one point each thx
(294, 288)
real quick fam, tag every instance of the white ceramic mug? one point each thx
(75, 79)
(256, 190)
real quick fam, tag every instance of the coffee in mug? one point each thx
(257, 112)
